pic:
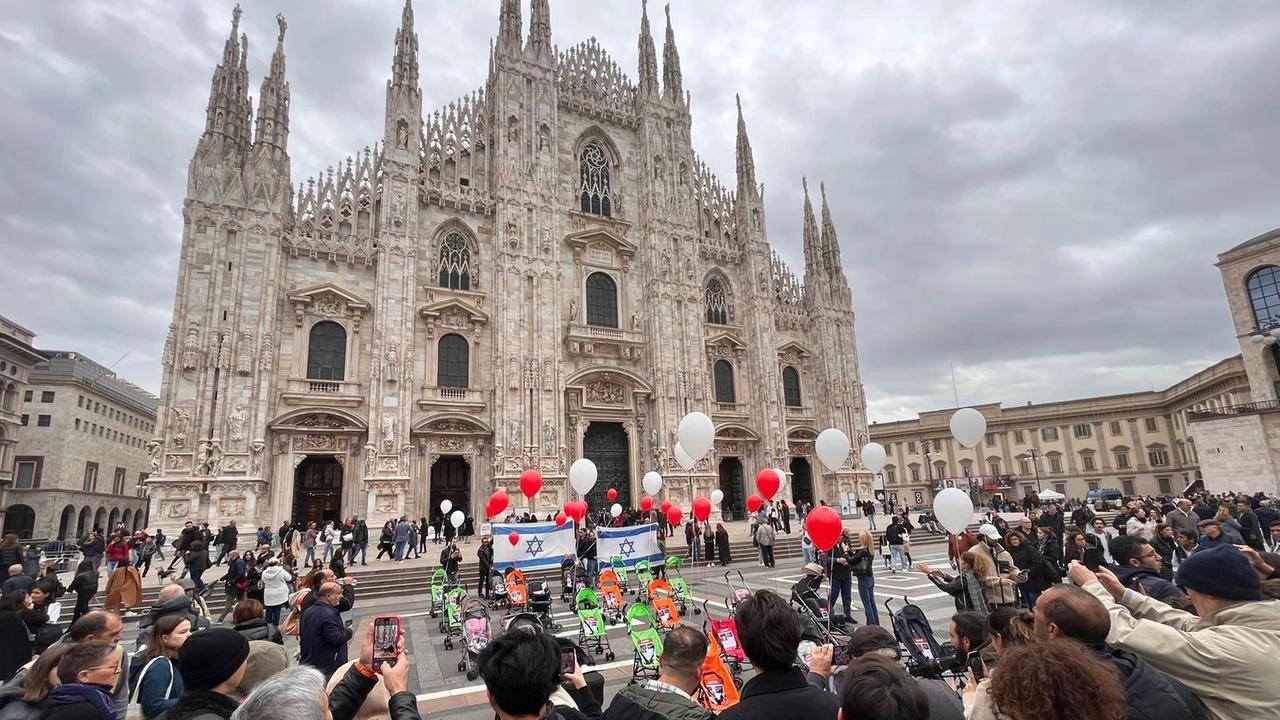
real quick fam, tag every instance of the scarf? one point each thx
(95, 695)
(195, 702)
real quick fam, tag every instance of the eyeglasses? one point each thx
(1152, 554)
(115, 669)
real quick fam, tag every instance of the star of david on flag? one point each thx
(627, 548)
(542, 545)
(534, 547)
(630, 544)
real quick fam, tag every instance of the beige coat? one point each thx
(999, 588)
(1226, 658)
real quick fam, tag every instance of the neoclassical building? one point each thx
(539, 271)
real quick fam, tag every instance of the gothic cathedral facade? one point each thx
(540, 271)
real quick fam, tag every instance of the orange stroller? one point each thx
(664, 607)
(615, 605)
(720, 685)
(517, 592)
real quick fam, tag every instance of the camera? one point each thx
(947, 663)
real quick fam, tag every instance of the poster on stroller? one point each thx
(540, 545)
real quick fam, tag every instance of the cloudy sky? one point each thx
(1033, 192)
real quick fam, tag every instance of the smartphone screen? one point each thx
(840, 655)
(1093, 558)
(568, 660)
(386, 636)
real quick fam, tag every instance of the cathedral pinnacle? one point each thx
(812, 242)
(229, 111)
(648, 84)
(273, 99)
(404, 67)
(830, 244)
(539, 29)
(746, 161)
(672, 82)
(509, 26)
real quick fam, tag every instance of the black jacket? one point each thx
(201, 704)
(323, 638)
(1029, 559)
(180, 605)
(1053, 522)
(1156, 587)
(1251, 529)
(485, 556)
(348, 599)
(186, 537)
(361, 533)
(11, 555)
(787, 694)
(196, 561)
(259, 629)
(1148, 693)
(893, 533)
(449, 559)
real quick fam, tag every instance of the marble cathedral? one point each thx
(539, 271)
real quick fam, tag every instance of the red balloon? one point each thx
(576, 509)
(561, 518)
(664, 505)
(646, 504)
(674, 514)
(767, 483)
(613, 494)
(701, 509)
(513, 537)
(754, 502)
(530, 483)
(497, 503)
(824, 527)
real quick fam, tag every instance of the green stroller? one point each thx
(592, 627)
(644, 576)
(439, 586)
(451, 623)
(624, 579)
(679, 588)
(642, 628)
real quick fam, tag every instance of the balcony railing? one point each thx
(330, 392)
(452, 397)
(1230, 410)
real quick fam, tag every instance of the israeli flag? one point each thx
(632, 544)
(540, 545)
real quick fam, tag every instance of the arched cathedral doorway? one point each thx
(317, 495)
(801, 480)
(606, 445)
(450, 480)
(733, 506)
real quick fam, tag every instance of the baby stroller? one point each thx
(724, 635)
(644, 576)
(574, 580)
(451, 623)
(475, 635)
(737, 592)
(679, 588)
(926, 657)
(439, 586)
(642, 628)
(498, 593)
(721, 675)
(813, 607)
(615, 605)
(664, 607)
(540, 603)
(592, 630)
(620, 570)
(517, 591)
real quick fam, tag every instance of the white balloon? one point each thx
(683, 458)
(457, 518)
(652, 483)
(717, 496)
(832, 447)
(696, 435)
(446, 506)
(782, 478)
(582, 475)
(615, 510)
(968, 426)
(954, 509)
(873, 457)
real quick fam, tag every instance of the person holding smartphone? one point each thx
(522, 670)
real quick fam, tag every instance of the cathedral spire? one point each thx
(648, 84)
(830, 244)
(672, 82)
(812, 242)
(509, 25)
(229, 112)
(539, 29)
(273, 99)
(746, 161)
(404, 66)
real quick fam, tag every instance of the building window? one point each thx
(1151, 425)
(1049, 434)
(911, 447)
(1115, 428)
(717, 303)
(593, 168)
(1122, 460)
(77, 423)
(791, 386)
(26, 396)
(25, 419)
(117, 483)
(1060, 488)
(1055, 464)
(25, 474)
(1088, 462)
(453, 362)
(602, 300)
(994, 467)
(1092, 486)
(915, 473)
(1166, 488)
(46, 396)
(1018, 437)
(1024, 467)
(966, 468)
(455, 262)
(44, 420)
(991, 439)
(890, 475)
(941, 469)
(1264, 294)
(724, 382)
(327, 352)
(1127, 487)
(91, 477)
(1158, 458)
(1082, 432)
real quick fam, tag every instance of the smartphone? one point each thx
(1093, 558)
(386, 638)
(840, 655)
(568, 660)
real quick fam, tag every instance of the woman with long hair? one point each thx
(157, 687)
(23, 699)
(867, 580)
(1073, 548)
(1044, 681)
(1031, 561)
(722, 545)
(966, 587)
(1008, 628)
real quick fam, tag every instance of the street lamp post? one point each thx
(1034, 456)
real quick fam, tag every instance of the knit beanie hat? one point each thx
(1223, 572)
(265, 659)
(210, 657)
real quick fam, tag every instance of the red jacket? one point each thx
(117, 552)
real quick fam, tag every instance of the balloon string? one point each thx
(831, 572)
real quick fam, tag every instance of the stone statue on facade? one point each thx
(235, 425)
(370, 460)
(393, 366)
(202, 459)
(215, 457)
(182, 420)
(154, 449)
(255, 458)
(191, 349)
(573, 311)
(244, 356)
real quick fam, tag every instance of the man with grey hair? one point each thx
(293, 694)
(1183, 518)
(18, 581)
